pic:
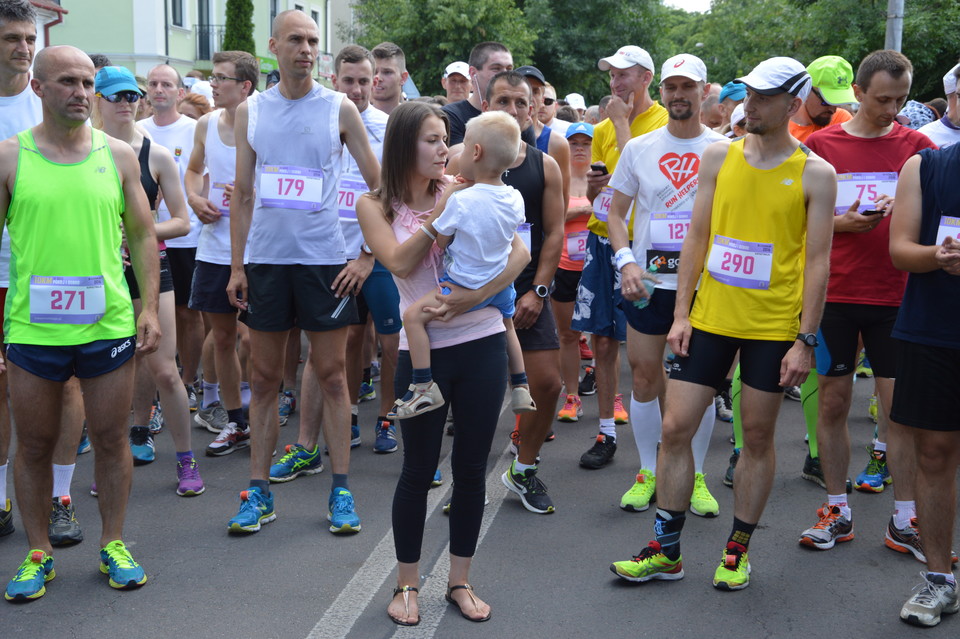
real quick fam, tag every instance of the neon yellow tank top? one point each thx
(752, 285)
(66, 272)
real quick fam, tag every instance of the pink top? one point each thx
(462, 328)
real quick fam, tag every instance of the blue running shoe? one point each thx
(31, 578)
(386, 438)
(367, 391)
(84, 446)
(354, 435)
(287, 406)
(115, 560)
(297, 461)
(141, 445)
(155, 423)
(437, 479)
(255, 509)
(875, 477)
(342, 516)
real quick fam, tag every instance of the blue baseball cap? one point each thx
(580, 127)
(113, 80)
(736, 91)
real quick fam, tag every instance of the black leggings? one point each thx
(473, 379)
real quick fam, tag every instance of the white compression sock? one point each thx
(62, 477)
(211, 394)
(701, 439)
(3, 485)
(646, 421)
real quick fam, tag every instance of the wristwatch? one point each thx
(365, 248)
(541, 291)
(809, 339)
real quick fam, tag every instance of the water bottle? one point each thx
(649, 284)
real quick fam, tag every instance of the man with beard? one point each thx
(832, 77)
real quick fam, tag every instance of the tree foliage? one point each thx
(238, 32)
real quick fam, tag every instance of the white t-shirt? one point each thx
(352, 185)
(17, 113)
(940, 133)
(221, 162)
(482, 220)
(660, 171)
(178, 139)
(560, 126)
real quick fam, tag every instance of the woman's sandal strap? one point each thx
(397, 591)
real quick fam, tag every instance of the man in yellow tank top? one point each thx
(69, 312)
(760, 237)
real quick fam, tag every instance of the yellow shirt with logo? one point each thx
(752, 285)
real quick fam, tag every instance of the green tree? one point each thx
(434, 33)
(238, 34)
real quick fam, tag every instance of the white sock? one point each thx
(245, 394)
(211, 394)
(607, 427)
(647, 423)
(880, 447)
(3, 485)
(946, 575)
(701, 439)
(518, 468)
(62, 476)
(903, 512)
(842, 503)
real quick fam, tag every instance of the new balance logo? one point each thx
(787, 182)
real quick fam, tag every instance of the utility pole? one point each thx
(894, 24)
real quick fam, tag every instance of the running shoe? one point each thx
(792, 392)
(141, 445)
(585, 352)
(287, 405)
(189, 483)
(532, 491)
(354, 435)
(876, 475)
(342, 514)
(864, 369)
(6, 519)
(650, 564)
(63, 528)
(832, 529)
(934, 596)
(588, 385)
(733, 573)
(515, 439)
(386, 441)
(84, 445)
(600, 454)
(296, 461)
(367, 391)
(723, 406)
(31, 578)
(192, 402)
(872, 409)
(115, 560)
(908, 540)
(702, 502)
(375, 371)
(620, 415)
(521, 401)
(214, 417)
(731, 469)
(93, 489)
(155, 423)
(256, 509)
(437, 479)
(419, 399)
(572, 410)
(229, 440)
(643, 491)
(812, 471)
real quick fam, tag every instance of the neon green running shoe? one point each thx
(651, 563)
(116, 561)
(32, 575)
(638, 498)
(702, 502)
(733, 573)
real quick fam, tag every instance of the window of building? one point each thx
(176, 12)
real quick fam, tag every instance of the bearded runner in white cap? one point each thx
(760, 237)
(658, 171)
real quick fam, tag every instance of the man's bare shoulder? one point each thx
(818, 169)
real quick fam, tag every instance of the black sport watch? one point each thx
(809, 339)
(541, 291)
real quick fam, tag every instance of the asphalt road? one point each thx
(544, 575)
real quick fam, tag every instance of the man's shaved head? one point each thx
(51, 58)
(284, 17)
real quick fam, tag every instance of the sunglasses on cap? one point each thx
(130, 96)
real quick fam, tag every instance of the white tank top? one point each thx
(221, 161)
(299, 159)
(352, 184)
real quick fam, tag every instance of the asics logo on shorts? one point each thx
(119, 349)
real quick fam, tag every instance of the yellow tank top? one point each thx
(752, 285)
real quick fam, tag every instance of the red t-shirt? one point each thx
(861, 271)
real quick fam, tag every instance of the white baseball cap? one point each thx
(950, 81)
(738, 115)
(779, 75)
(457, 67)
(576, 101)
(686, 65)
(627, 57)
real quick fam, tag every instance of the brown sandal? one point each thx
(406, 590)
(473, 599)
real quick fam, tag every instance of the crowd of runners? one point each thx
(171, 242)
